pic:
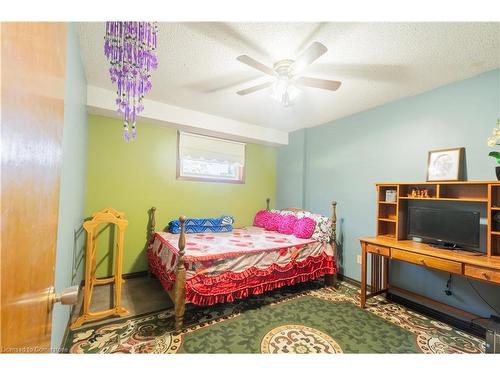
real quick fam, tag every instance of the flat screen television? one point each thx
(444, 227)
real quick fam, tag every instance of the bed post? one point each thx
(151, 233)
(267, 203)
(180, 279)
(331, 280)
(334, 224)
(152, 223)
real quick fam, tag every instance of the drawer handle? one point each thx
(422, 262)
(485, 275)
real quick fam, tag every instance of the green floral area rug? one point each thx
(302, 319)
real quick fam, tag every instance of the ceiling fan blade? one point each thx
(254, 88)
(324, 84)
(313, 52)
(224, 82)
(255, 64)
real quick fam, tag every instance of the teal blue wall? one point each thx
(70, 239)
(291, 171)
(343, 160)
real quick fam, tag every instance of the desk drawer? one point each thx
(427, 261)
(481, 273)
(376, 249)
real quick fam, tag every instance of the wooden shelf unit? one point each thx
(387, 212)
(391, 216)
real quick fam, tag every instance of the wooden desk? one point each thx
(465, 263)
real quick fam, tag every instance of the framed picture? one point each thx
(445, 165)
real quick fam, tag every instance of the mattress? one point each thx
(221, 267)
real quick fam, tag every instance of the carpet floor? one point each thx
(306, 318)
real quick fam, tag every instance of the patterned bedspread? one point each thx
(211, 258)
(205, 246)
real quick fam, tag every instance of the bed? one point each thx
(210, 268)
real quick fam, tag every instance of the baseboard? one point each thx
(349, 280)
(133, 275)
(460, 319)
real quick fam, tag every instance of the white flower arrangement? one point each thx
(493, 141)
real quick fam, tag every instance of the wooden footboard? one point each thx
(178, 292)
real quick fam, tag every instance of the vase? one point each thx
(497, 171)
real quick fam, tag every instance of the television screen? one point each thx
(444, 226)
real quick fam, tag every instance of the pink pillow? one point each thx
(273, 221)
(261, 218)
(304, 228)
(287, 224)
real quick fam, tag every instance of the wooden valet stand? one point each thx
(106, 216)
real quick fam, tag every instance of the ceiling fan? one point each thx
(286, 75)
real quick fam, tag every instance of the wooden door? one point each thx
(33, 57)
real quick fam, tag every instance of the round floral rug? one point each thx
(298, 339)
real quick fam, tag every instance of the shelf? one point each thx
(388, 220)
(479, 182)
(495, 233)
(390, 236)
(384, 202)
(495, 208)
(419, 198)
(448, 199)
(485, 200)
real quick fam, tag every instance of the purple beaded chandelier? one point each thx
(130, 48)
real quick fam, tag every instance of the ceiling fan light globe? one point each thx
(286, 100)
(293, 92)
(278, 89)
(284, 91)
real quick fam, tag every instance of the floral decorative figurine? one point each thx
(492, 142)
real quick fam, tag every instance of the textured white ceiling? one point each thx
(376, 62)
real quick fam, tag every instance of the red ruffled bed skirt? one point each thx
(229, 286)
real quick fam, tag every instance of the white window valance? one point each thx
(200, 147)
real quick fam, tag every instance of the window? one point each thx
(205, 158)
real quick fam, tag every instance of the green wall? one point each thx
(136, 176)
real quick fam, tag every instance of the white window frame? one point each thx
(180, 175)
